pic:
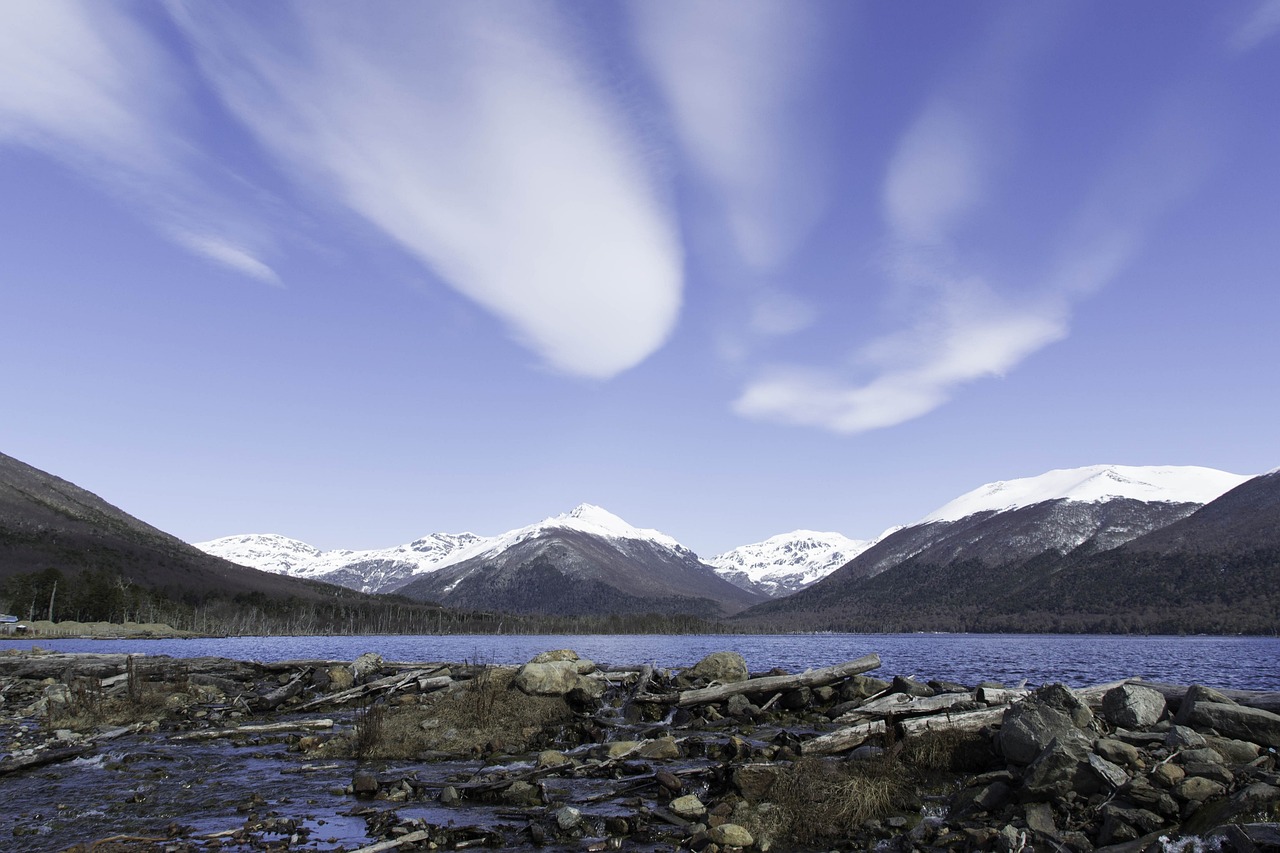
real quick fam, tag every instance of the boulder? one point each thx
(731, 835)
(555, 655)
(568, 817)
(369, 663)
(659, 749)
(1030, 726)
(724, 667)
(1234, 751)
(1238, 722)
(910, 687)
(688, 806)
(339, 678)
(523, 794)
(1179, 737)
(1198, 693)
(1132, 706)
(1110, 773)
(1198, 789)
(1061, 768)
(557, 678)
(1168, 775)
(1118, 752)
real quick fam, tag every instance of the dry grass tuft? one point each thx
(484, 714)
(949, 752)
(817, 799)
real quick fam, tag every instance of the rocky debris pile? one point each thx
(564, 753)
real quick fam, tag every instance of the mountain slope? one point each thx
(47, 522)
(587, 561)
(1047, 565)
(782, 564)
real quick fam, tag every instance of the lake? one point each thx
(1245, 663)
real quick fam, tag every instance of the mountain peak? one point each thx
(589, 518)
(1092, 484)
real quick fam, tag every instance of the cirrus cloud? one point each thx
(471, 136)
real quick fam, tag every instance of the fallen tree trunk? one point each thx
(390, 684)
(962, 721)
(843, 740)
(40, 759)
(767, 684)
(257, 728)
(900, 704)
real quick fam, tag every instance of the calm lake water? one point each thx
(1246, 663)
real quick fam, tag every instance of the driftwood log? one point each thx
(767, 684)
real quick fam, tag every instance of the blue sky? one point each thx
(355, 273)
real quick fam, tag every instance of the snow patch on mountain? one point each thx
(584, 518)
(1093, 484)
(374, 570)
(787, 562)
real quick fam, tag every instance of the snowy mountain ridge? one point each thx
(789, 561)
(1092, 484)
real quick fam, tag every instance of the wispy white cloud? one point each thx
(1261, 25)
(229, 255)
(735, 75)
(963, 325)
(935, 175)
(87, 83)
(470, 135)
(778, 313)
(79, 79)
(972, 334)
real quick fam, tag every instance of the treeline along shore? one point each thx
(568, 754)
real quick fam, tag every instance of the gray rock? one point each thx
(660, 749)
(1203, 755)
(1030, 726)
(688, 806)
(731, 835)
(1234, 751)
(724, 667)
(555, 655)
(1110, 773)
(1239, 722)
(738, 705)
(523, 794)
(366, 665)
(1198, 789)
(1216, 772)
(1060, 769)
(1198, 693)
(910, 686)
(568, 817)
(1039, 817)
(1179, 737)
(364, 785)
(1132, 706)
(797, 700)
(554, 678)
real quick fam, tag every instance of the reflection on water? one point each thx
(1246, 663)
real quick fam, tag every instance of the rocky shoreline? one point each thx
(566, 754)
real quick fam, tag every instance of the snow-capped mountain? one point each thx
(1185, 484)
(588, 561)
(1065, 552)
(1098, 507)
(377, 570)
(782, 564)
